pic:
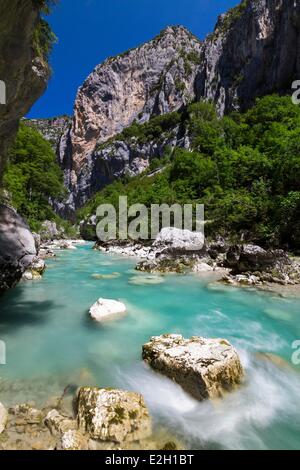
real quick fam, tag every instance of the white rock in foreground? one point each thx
(205, 368)
(113, 415)
(180, 239)
(107, 309)
(3, 418)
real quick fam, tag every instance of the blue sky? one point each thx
(89, 31)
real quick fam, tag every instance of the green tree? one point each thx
(32, 176)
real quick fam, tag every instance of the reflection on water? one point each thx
(52, 343)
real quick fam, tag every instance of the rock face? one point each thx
(107, 309)
(51, 129)
(254, 50)
(22, 68)
(17, 247)
(205, 368)
(128, 157)
(156, 78)
(113, 415)
(49, 231)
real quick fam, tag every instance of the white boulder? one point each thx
(180, 239)
(107, 309)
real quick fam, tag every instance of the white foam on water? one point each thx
(269, 396)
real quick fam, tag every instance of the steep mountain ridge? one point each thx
(254, 50)
(155, 78)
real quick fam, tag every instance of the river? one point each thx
(51, 343)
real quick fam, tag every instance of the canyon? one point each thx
(253, 51)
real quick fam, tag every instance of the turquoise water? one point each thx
(51, 343)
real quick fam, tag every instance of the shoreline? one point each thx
(219, 274)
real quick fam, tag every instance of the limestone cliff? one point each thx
(254, 50)
(51, 129)
(156, 78)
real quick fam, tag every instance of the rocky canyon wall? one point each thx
(254, 50)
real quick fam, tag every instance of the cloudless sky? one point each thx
(89, 31)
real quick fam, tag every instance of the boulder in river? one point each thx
(17, 247)
(176, 239)
(107, 309)
(243, 258)
(113, 415)
(205, 368)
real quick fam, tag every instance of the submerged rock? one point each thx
(3, 418)
(106, 276)
(113, 415)
(274, 359)
(178, 265)
(107, 309)
(146, 280)
(205, 368)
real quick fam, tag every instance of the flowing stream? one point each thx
(52, 343)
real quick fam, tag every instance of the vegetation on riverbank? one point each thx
(33, 177)
(245, 168)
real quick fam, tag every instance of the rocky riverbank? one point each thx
(103, 419)
(113, 419)
(239, 265)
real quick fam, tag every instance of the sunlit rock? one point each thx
(205, 368)
(179, 239)
(113, 415)
(58, 424)
(107, 309)
(35, 270)
(73, 440)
